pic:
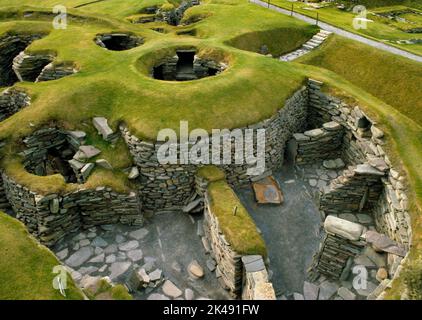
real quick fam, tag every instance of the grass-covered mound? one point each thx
(118, 85)
(26, 266)
(391, 78)
(113, 86)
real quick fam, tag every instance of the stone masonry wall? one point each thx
(370, 183)
(54, 71)
(320, 143)
(4, 203)
(357, 189)
(256, 284)
(10, 46)
(229, 270)
(169, 187)
(340, 245)
(52, 216)
(363, 148)
(246, 276)
(11, 101)
(28, 67)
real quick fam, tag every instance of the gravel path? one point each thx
(341, 32)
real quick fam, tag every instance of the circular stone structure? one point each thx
(118, 41)
(186, 65)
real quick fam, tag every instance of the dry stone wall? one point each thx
(11, 101)
(369, 184)
(4, 203)
(28, 67)
(229, 268)
(256, 284)
(12, 45)
(169, 187)
(356, 190)
(244, 276)
(51, 217)
(54, 71)
(318, 144)
(371, 181)
(340, 245)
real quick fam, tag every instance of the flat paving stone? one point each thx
(120, 239)
(130, 245)
(118, 268)
(155, 275)
(327, 290)
(99, 242)
(112, 248)
(310, 291)
(111, 258)
(171, 290)
(97, 259)
(61, 255)
(79, 257)
(135, 255)
(138, 234)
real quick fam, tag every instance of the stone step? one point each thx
(319, 37)
(309, 47)
(325, 32)
(313, 43)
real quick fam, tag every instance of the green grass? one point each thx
(211, 173)
(117, 85)
(26, 266)
(382, 3)
(391, 78)
(105, 291)
(343, 19)
(278, 41)
(239, 229)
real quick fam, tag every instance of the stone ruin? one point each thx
(311, 127)
(11, 101)
(18, 65)
(48, 152)
(186, 65)
(172, 17)
(10, 47)
(118, 41)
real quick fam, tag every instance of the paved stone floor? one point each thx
(168, 243)
(291, 230)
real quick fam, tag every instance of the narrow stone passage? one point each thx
(291, 230)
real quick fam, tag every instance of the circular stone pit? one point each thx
(186, 65)
(118, 41)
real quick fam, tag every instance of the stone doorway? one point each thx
(184, 67)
